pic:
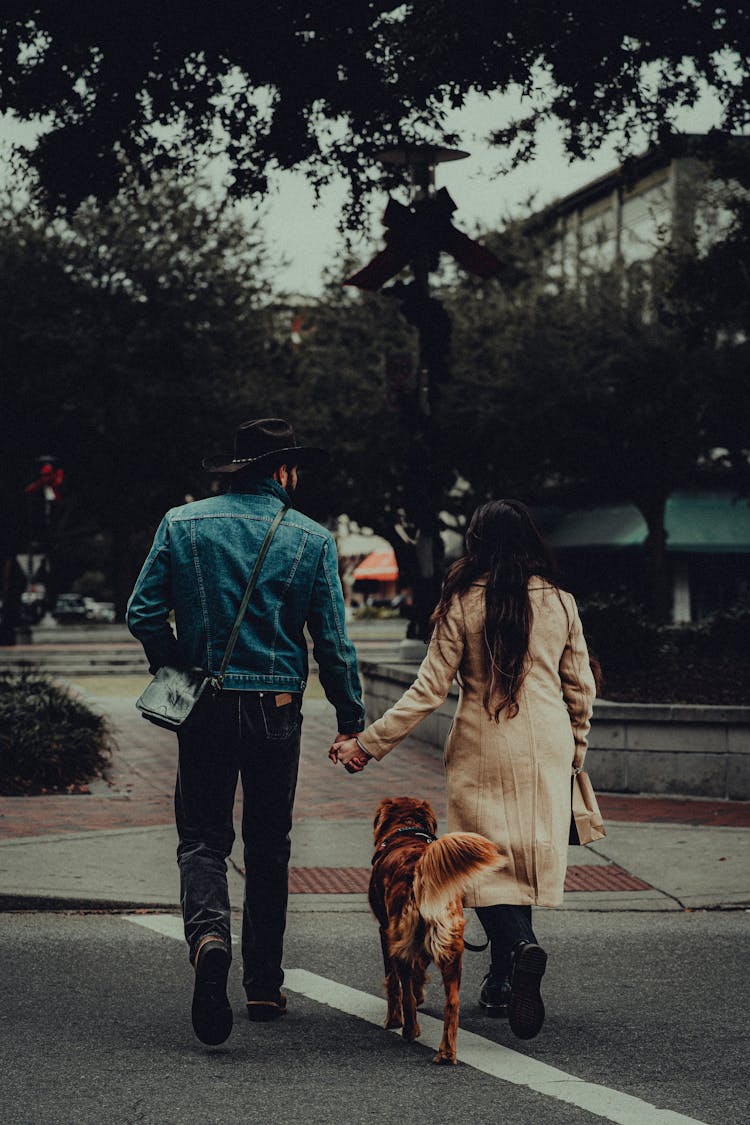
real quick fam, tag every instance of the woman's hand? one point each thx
(349, 754)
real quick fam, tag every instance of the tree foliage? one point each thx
(624, 388)
(338, 372)
(133, 339)
(286, 84)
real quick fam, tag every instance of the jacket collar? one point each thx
(265, 487)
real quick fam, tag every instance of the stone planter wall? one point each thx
(633, 747)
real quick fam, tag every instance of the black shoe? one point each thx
(212, 1014)
(495, 996)
(263, 1007)
(526, 1008)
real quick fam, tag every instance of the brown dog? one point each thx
(415, 894)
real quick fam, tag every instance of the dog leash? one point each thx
(476, 948)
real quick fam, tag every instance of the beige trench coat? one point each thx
(509, 780)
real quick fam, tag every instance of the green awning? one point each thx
(708, 521)
(610, 525)
(700, 521)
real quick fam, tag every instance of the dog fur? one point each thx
(415, 894)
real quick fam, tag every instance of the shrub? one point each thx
(619, 633)
(721, 637)
(703, 663)
(93, 584)
(729, 632)
(48, 738)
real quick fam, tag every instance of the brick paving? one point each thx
(139, 789)
(328, 791)
(140, 784)
(695, 811)
(603, 877)
(353, 880)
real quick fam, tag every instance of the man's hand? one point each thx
(336, 742)
(345, 749)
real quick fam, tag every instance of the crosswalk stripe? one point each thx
(473, 1050)
(168, 925)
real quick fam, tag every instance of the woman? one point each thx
(526, 692)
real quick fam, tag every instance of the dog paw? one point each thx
(392, 1021)
(412, 1033)
(444, 1058)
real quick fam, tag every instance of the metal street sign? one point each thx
(30, 565)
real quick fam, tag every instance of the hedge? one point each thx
(49, 739)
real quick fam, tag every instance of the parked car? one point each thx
(70, 609)
(102, 612)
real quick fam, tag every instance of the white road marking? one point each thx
(473, 1050)
(168, 925)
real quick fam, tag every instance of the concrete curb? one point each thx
(686, 868)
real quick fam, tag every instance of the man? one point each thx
(198, 567)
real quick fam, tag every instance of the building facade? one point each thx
(667, 197)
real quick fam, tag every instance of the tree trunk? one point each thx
(129, 549)
(658, 579)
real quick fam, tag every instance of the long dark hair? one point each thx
(504, 548)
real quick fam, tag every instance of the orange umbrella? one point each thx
(380, 566)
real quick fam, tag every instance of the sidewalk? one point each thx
(116, 846)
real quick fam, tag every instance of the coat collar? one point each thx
(535, 583)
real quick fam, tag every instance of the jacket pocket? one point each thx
(281, 714)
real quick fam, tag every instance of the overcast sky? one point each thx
(307, 236)
(303, 239)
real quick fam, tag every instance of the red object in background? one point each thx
(50, 481)
(379, 566)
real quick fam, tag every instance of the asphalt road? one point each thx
(94, 1018)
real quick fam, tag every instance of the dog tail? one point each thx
(446, 867)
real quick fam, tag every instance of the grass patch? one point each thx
(125, 686)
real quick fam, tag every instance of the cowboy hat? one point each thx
(263, 441)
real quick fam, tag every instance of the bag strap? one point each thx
(218, 681)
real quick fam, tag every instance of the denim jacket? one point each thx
(199, 566)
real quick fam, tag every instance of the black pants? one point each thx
(255, 735)
(504, 926)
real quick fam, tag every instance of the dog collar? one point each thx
(407, 830)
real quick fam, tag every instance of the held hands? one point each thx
(345, 749)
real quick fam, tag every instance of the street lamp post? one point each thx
(415, 237)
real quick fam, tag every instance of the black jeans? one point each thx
(504, 926)
(255, 735)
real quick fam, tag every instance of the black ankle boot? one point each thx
(211, 1012)
(526, 1007)
(495, 995)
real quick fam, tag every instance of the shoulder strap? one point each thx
(248, 594)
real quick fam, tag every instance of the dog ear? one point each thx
(430, 817)
(380, 812)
